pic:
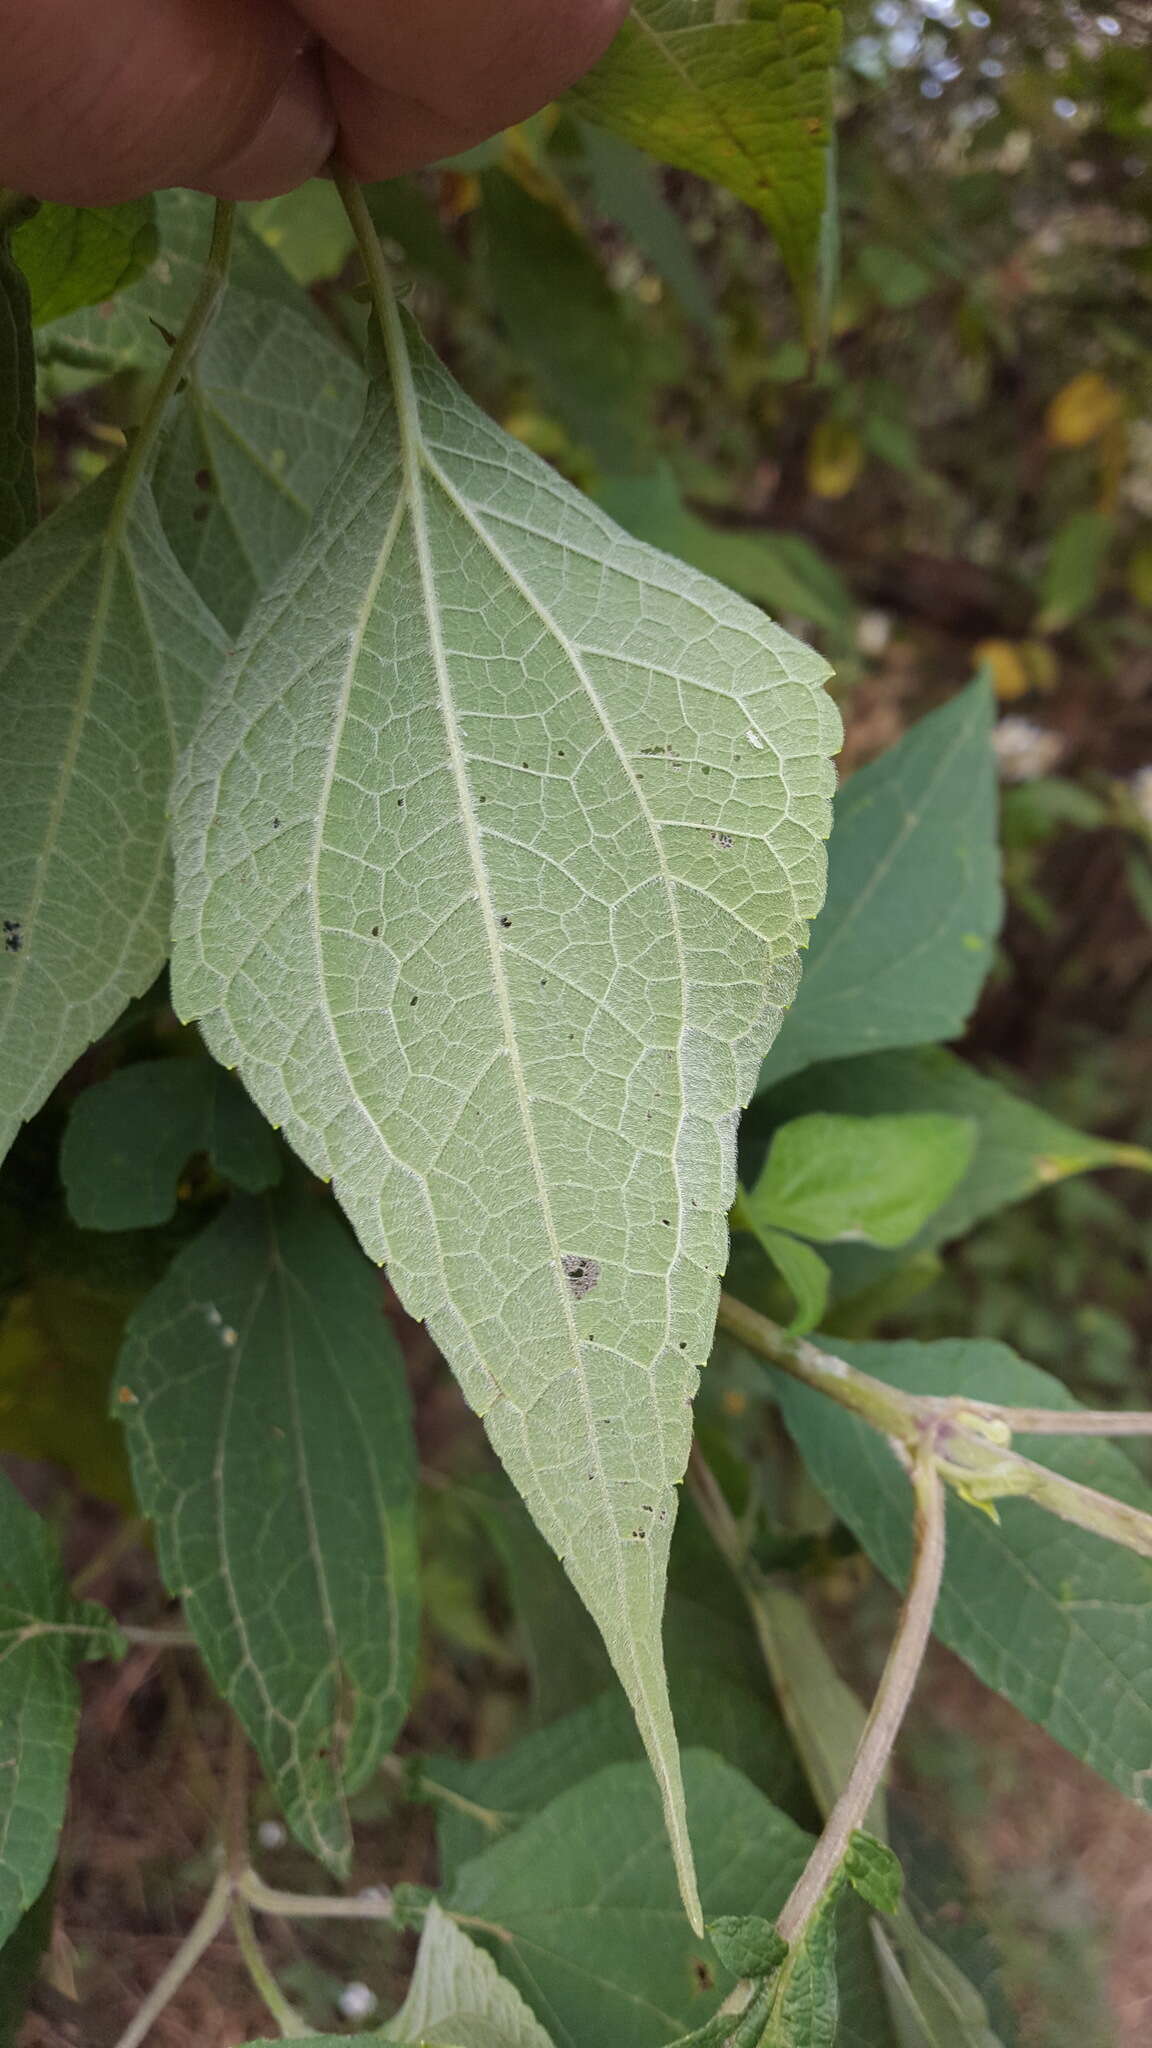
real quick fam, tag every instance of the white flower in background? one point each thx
(1141, 787)
(873, 632)
(271, 1835)
(356, 2002)
(1025, 750)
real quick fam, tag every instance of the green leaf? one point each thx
(714, 1708)
(1057, 1620)
(1018, 1150)
(104, 651)
(20, 1959)
(873, 1177)
(267, 1418)
(746, 1944)
(1074, 571)
(18, 496)
(129, 1138)
(899, 952)
(506, 965)
(270, 406)
(806, 1275)
(408, 220)
(780, 570)
(75, 256)
(566, 324)
(873, 1871)
(805, 2011)
(585, 1893)
(43, 1634)
(307, 230)
(933, 2004)
(457, 1996)
(745, 100)
(626, 190)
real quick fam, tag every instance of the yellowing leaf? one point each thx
(834, 460)
(742, 94)
(1006, 666)
(1082, 410)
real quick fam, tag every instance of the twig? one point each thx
(308, 1905)
(123, 1539)
(201, 314)
(292, 2026)
(212, 1916)
(419, 1787)
(970, 1440)
(893, 1693)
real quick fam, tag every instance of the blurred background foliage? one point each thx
(960, 477)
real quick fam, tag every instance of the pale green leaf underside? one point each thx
(458, 1997)
(43, 1633)
(104, 650)
(267, 1419)
(269, 407)
(497, 846)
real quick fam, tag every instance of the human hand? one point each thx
(101, 100)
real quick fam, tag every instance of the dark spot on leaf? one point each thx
(13, 935)
(582, 1274)
(413, 1003)
(203, 479)
(705, 1981)
(506, 924)
(723, 839)
(199, 514)
(375, 931)
(275, 824)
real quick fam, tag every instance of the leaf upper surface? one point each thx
(497, 845)
(129, 1138)
(586, 1893)
(104, 651)
(267, 1418)
(43, 1633)
(746, 100)
(904, 940)
(73, 256)
(1057, 1620)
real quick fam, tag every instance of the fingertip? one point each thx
(293, 143)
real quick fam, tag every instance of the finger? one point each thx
(410, 84)
(106, 101)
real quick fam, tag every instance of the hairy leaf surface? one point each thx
(104, 652)
(43, 1634)
(904, 940)
(1057, 1620)
(741, 94)
(497, 845)
(267, 1417)
(129, 1138)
